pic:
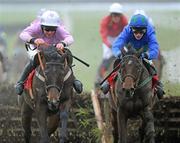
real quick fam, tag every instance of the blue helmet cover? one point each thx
(138, 20)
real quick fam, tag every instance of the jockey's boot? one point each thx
(105, 87)
(159, 90)
(78, 86)
(19, 87)
(110, 82)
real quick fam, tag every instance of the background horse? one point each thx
(133, 96)
(50, 97)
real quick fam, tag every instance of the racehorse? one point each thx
(50, 97)
(133, 97)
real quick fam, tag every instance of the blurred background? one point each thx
(82, 18)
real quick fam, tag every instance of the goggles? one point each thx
(116, 14)
(140, 30)
(49, 28)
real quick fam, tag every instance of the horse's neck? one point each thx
(38, 79)
(145, 72)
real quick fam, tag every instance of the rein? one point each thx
(42, 78)
(147, 80)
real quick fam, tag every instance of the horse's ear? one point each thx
(139, 52)
(124, 51)
(129, 46)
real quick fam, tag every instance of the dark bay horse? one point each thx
(50, 97)
(133, 97)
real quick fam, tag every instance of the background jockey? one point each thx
(47, 31)
(110, 28)
(139, 33)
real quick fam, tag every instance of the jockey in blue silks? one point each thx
(140, 33)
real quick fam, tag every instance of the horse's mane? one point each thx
(130, 50)
(51, 54)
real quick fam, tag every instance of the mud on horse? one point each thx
(50, 96)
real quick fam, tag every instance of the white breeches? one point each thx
(107, 51)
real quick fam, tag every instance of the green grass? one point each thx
(87, 46)
(172, 89)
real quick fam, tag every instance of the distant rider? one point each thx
(111, 26)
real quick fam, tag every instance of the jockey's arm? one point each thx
(153, 47)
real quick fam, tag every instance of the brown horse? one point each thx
(132, 97)
(50, 97)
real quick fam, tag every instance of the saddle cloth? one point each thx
(28, 82)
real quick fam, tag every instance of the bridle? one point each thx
(53, 85)
(125, 60)
(136, 78)
(44, 78)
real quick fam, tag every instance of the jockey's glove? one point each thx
(145, 55)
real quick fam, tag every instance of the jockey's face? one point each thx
(116, 17)
(138, 36)
(49, 31)
(138, 33)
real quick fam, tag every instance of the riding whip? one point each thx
(86, 64)
(115, 69)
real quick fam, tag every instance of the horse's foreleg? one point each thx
(42, 121)
(64, 114)
(63, 130)
(148, 121)
(26, 117)
(115, 125)
(52, 122)
(122, 126)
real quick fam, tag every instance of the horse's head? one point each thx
(54, 72)
(130, 71)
